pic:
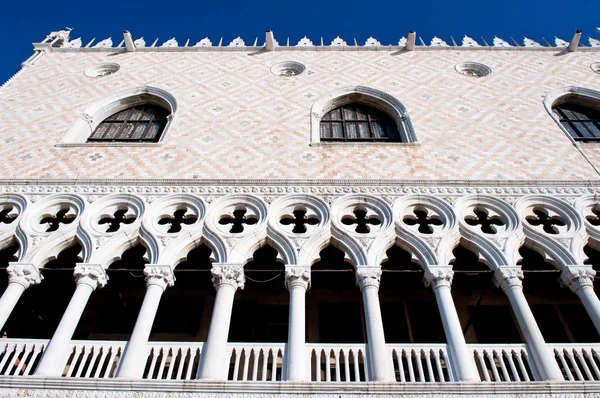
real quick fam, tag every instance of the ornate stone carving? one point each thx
(24, 274)
(228, 274)
(160, 275)
(368, 276)
(90, 274)
(438, 276)
(508, 276)
(297, 276)
(577, 276)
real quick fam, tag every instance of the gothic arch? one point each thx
(94, 114)
(365, 95)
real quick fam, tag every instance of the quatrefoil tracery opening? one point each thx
(119, 217)
(177, 220)
(424, 218)
(362, 221)
(8, 215)
(549, 223)
(592, 219)
(238, 220)
(300, 220)
(482, 218)
(62, 216)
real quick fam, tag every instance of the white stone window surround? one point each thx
(558, 96)
(94, 114)
(364, 95)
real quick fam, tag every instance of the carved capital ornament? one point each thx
(228, 274)
(297, 276)
(92, 275)
(24, 274)
(367, 277)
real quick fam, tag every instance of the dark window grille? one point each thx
(583, 123)
(355, 122)
(143, 123)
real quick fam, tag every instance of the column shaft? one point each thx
(462, 359)
(56, 352)
(379, 354)
(297, 280)
(213, 354)
(590, 301)
(9, 300)
(158, 278)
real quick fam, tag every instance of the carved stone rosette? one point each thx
(297, 276)
(228, 274)
(160, 275)
(577, 276)
(92, 275)
(508, 276)
(368, 276)
(438, 277)
(24, 274)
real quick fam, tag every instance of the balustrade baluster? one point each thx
(265, 363)
(75, 358)
(511, 363)
(366, 365)
(484, 369)
(586, 369)
(255, 356)
(174, 354)
(37, 349)
(18, 353)
(522, 366)
(246, 363)
(430, 376)
(438, 364)
(236, 364)
(590, 357)
(186, 356)
(573, 362)
(101, 359)
(347, 364)
(418, 359)
(500, 355)
(318, 365)
(336, 358)
(356, 366)
(410, 364)
(86, 353)
(154, 354)
(490, 357)
(164, 354)
(400, 366)
(97, 351)
(328, 365)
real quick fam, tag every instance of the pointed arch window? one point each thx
(141, 123)
(581, 118)
(358, 122)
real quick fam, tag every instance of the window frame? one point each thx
(369, 112)
(84, 126)
(129, 119)
(577, 127)
(573, 94)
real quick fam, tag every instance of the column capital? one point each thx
(577, 276)
(25, 274)
(92, 275)
(508, 276)
(160, 275)
(368, 276)
(437, 276)
(228, 274)
(297, 275)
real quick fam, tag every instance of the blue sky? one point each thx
(24, 22)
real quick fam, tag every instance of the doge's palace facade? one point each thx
(269, 220)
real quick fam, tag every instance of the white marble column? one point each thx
(88, 277)
(580, 279)
(20, 277)
(380, 357)
(509, 278)
(158, 278)
(297, 281)
(440, 280)
(227, 278)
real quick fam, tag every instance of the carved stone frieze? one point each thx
(228, 274)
